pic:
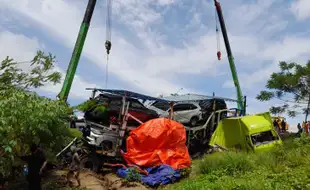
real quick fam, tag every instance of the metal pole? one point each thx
(77, 51)
(244, 106)
(229, 54)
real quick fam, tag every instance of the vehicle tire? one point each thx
(193, 121)
(91, 162)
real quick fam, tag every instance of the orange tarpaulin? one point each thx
(158, 141)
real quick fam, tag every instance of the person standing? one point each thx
(276, 125)
(75, 166)
(283, 125)
(307, 128)
(36, 162)
(171, 111)
(299, 129)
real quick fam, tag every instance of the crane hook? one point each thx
(108, 46)
(219, 55)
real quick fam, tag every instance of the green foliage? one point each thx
(40, 72)
(75, 132)
(293, 81)
(26, 117)
(285, 167)
(98, 110)
(230, 163)
(133, 175)
(87, 105)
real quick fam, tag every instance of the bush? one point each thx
(285, 167)
(26, 118)
(230, 163)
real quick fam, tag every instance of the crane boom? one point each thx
(230, 56)
(63, 95)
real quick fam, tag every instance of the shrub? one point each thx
(26, 118)
(285, 167)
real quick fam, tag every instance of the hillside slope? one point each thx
(286, 167)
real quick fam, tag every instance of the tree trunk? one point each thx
(307, 111)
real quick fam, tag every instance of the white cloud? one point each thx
(78, 88)
(125, 59)
(289, 49)
(17, 46)
(301, 9)
(141, 52)
(23, 49)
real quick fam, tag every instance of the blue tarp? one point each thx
(158, 175)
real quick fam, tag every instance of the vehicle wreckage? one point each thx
(103, 142)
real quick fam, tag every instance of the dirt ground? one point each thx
(94, 181)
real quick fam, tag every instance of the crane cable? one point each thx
(218, 40)
(108, 43)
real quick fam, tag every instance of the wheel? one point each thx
(193, 121)
(91, 162)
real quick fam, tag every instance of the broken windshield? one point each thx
(263, 138)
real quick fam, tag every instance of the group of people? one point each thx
(36, 163)
(304, 127)
(280, 125)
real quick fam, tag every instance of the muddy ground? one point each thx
(93, 181)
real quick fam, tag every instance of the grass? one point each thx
(285, 167)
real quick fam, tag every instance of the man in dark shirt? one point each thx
(36, 163)
(283, 125)
(276, 124)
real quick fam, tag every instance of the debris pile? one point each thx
(156, 153)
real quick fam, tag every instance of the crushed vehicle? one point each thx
(185, 113)
(105, 141)
(77, 120)
(251, 133)
(113, 103)
(191, 112)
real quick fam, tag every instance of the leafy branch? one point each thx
(40, 73)
(293, 80)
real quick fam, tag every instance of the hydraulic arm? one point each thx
(63, 95)
(229, 55)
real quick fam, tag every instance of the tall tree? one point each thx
(39, 73)
(25, 117)
(291, 85)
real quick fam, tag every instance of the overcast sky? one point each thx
(160, 46)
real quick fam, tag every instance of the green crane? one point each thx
(63, 95)
(241, 104)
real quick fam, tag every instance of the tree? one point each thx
(40, 73)
(292, 86)
(25, 117)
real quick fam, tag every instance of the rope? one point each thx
(108, 43)
(219, 54)
(217, 33)
(108, 21)
(107, 72)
